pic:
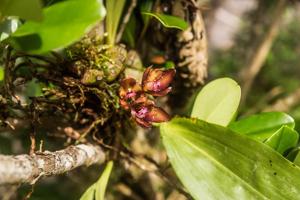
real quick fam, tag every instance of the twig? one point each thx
(28, 195)
(29, 168)
(39, 57)
(125, 20)
(33, 129)
(90, 128)
(257, 60)
(159, 172)
(7, 73)
(127, 191)
(158, 169)
(133, 158)
(32, 141)
(286, 103)
(261, 103)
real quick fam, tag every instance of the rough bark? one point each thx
(28, 168)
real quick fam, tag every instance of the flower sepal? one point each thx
(157, 81)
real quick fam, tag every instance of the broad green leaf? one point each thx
(263, 125)
(64, 23)
(114, 13)
(215, 163)
(102, 182)
(25, 9)
(217, 102)
(169, 21)
(89, 193)
(283, 139)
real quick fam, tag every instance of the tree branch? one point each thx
(29, 168)
(260, 54)
(286, 103)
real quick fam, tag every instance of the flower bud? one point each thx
(157, 115)
(146, 115)
(156, 81)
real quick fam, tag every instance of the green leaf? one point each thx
(218, 101)
(114, 13)
(263, 125)
(25, 9)
(297, 159)
(146, 7)
(283, 139)
(215, 163)
(102, 182)
(89, 193)
(291, 156)
(98, 188)
(64, 23)
(169, 21)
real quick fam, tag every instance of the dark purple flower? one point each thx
(157, 81)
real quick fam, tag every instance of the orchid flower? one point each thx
(137, 98)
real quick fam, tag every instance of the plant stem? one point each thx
(126, 20)
(114, 12)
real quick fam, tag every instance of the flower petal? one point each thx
(166, 79)
(143, 100)
(161, 93)
(146, 74)
(156, 114)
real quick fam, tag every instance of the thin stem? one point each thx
(126, 20)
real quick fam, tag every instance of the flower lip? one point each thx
(141, 112)
(156, 86)
(130, 94)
